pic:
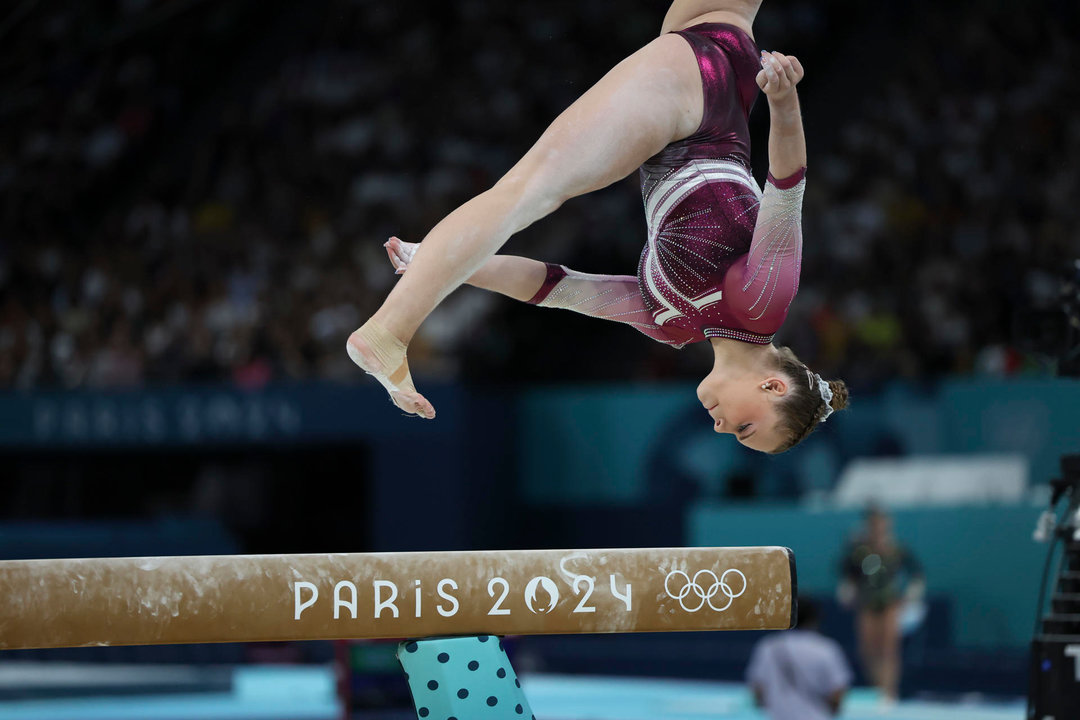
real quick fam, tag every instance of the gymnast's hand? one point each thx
(779, 75)
(400, 252)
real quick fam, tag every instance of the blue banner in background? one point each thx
(187, 418)
(576, 444)
(212, 415)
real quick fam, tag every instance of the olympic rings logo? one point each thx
(688, 587)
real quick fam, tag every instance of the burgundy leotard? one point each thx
(722, 258)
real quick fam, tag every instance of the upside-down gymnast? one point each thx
(722, 260)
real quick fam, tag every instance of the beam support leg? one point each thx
(463, 678)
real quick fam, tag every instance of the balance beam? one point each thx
(251, 598)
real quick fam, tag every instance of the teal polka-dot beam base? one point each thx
(463, 678)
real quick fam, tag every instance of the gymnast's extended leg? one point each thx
(647, 101)
(608, 297)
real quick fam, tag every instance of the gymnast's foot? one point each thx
(375, 349)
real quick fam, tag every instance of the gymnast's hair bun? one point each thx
(839, 394)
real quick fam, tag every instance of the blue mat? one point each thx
(308, 693)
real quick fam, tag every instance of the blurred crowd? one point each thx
(198, 191)
(942, 223)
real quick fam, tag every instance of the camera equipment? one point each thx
(1054, 691)
(1047, 323)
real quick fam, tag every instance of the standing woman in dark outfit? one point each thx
(879, 576)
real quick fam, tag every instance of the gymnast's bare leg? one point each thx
(650, 99)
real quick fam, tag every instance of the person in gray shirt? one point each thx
(799, 674)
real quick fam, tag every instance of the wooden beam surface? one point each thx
(249, 598)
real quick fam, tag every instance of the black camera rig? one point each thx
(1054, 691)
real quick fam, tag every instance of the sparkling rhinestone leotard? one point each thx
(722, 258)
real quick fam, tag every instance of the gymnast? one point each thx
(722, 259)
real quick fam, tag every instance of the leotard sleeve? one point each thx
(608, 297)
(763, 284)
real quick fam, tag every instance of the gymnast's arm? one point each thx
(787, 142)
(766, 281)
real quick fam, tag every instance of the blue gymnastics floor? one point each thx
(559, 697)
(266, 692)
(308, 693)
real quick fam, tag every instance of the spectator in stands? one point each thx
(799, 674)
(878, 578)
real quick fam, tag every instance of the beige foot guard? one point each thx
(376, 350)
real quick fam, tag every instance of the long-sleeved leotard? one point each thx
(722, 258)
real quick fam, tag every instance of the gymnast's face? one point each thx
(745, 406)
